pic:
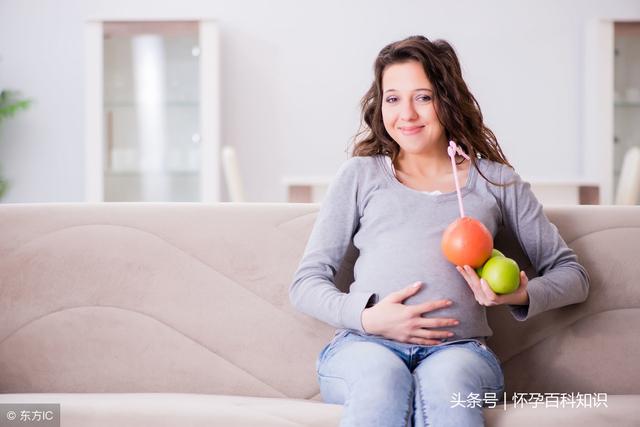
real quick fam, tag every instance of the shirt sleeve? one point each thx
(561, 279)
(313, 290)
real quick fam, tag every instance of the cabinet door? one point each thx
(626, 94)
(151, 111)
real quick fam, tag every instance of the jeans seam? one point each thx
(423, 405)
(407, 417)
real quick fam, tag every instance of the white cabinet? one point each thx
(626, 92)
(152, 111)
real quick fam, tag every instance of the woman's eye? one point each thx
(422, 98)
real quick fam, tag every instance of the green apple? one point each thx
(502, 274)
(494, 253)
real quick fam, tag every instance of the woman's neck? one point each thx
(426, 165)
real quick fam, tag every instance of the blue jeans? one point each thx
(387, 383)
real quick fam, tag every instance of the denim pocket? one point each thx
(325, 350)
(487, 352)
(491, 357)
(333, 389)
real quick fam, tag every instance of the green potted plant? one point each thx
(10, 104)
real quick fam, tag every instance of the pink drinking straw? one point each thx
(452, 150)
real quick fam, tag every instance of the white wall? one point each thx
(293, 73)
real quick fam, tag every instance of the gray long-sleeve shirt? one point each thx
(398, 231)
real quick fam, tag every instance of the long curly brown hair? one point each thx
(456, 108)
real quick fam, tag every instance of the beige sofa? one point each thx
(178, 315)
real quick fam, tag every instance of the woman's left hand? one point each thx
(485, 295)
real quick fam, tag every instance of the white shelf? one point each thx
(548, 190)
(626, 104)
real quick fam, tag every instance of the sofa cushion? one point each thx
(198, 293)
(621, 410)
(181, 409)
(198, 410)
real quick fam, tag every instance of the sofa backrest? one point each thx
(194, 298)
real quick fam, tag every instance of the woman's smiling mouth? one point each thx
(410, 130)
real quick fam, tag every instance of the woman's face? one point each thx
(408, 109)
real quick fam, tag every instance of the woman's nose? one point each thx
(408, 112)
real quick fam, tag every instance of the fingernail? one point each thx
(450, 334)
(448, 303)
(415, 285)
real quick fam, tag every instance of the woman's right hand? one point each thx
(392, 319)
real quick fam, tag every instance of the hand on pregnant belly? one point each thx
(394, 320)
